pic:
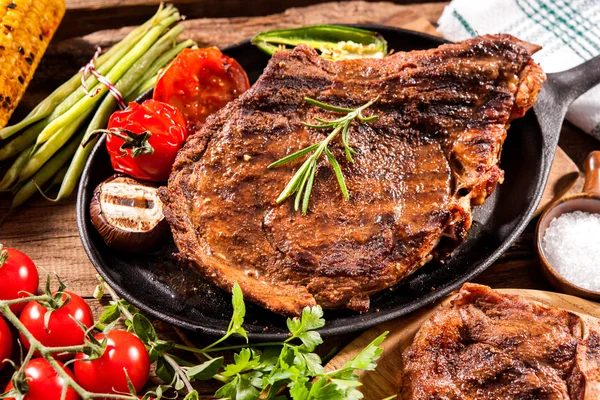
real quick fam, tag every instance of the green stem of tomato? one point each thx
(42, 297)
(47, 351)
(179, 372)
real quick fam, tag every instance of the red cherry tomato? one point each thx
(18, 276)
(6, 342)
(44, 382)
(168, 133)
(62, 330)
(199, 82)
(124, 351)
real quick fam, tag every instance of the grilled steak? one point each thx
(433, 152)
(494, 346)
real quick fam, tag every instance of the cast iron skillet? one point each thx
(157, 285)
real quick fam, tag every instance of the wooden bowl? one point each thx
(587, 201)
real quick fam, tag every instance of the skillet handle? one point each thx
(570, 84)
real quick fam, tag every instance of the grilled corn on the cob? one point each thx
(26, 27)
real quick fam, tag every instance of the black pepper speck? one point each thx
(21, 80)
(11, 6)
(21, 50)
(29, 61)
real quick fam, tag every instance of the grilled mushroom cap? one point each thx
(128, 214)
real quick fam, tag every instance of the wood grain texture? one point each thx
(87, 16)
(386, 380)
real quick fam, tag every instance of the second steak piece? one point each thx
(491, 346)
(433, 152)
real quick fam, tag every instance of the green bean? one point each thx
(12, 175)
(80, 94)
(143, 88)
(21, 142)
(104, 63)
(49, 170)
(159, 64)
(113, 76)
(131, 78)
(43, 153)
(58, 178)
(125, 85)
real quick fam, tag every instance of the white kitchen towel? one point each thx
(568, 31)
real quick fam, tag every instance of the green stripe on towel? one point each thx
(464, 23)
(570, 26)
(545, 26)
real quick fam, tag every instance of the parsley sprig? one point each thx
(268, 371)
(302, 182)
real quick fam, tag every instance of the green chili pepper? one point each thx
(333, 41)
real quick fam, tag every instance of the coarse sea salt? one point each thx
(572, 247)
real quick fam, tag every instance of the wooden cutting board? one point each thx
(385, 381)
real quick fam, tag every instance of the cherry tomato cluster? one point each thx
(144, 139)
(124, 356)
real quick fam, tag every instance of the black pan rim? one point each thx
(373, 319)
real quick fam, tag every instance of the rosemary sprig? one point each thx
(302, 182)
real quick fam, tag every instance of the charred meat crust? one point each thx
(487, 345)
(433, 153)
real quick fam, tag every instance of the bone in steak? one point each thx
(433, 152)
(490, 346)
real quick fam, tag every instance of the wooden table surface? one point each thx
(48, 232)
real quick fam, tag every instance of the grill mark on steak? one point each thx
(492, 346)
(433, 152)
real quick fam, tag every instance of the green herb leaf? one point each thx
(310, 362)
(300, 389)
(302, 182)
(143, 329)
(328, 392)
(99, 291)
(311, 319)
(328, 107)
(338, 172)
(110, 314)
(227, 391)
(192, 396)
(245, 360)
(294, 156)
(310, 340)
(206, 370)
(164, 371)
(365, 360)
(129, 383)
(239, 312)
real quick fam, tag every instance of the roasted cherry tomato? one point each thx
(62, 330)
(6, 342)
(199, 82)
(124, 351)
(18, 276)
(133, 153)
(44, 382)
